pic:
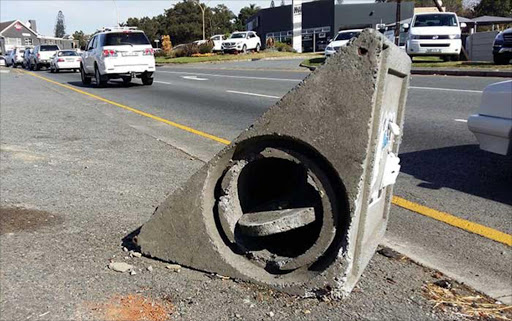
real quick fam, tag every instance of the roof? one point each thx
(491, 20)
(5, 24)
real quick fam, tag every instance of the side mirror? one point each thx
(405, 26)
(463, 25)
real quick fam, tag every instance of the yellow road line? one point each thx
(452, 220)
(136, 111)
(466, 225)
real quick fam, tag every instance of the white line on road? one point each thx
(193, 78)
(251, 94)
(5, 71)
(162, 82)
(461, 120)
(447, 89)
(230, 76)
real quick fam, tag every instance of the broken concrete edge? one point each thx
(185, 228)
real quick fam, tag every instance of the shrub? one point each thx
(206, 47)
(281, 46)
(161, 53)
(166, 45)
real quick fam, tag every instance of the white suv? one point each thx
(434, 34)
(241, 42)
(121, 52)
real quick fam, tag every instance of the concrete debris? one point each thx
(174, 267)
(150, 268)
(133, 272)
(135, 254)
(120, 267)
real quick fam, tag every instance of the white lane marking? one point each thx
(251, 94)
(162, 82)
(229, 76)
(461, 120)
(447, 89)
(5, 71)
(193, 78)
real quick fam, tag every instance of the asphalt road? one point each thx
(442, 167)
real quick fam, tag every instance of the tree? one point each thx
(221, 20)
(500, 8)
(166, 44)
(60, 27)
(245, 13)
(81, 37)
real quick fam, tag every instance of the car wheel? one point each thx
(244, 49)
(37, 67)
(455, 58)
(258, 47)
(127, 80)
(147, 79)
(56, 70)
(100, 82)
(85, 79)
(500, 60)
(51, 69)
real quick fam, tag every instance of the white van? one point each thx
(434, 34)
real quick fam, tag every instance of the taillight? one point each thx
(149, 52)
(79, 59)
(109, 53)
(60, 60)
(38, 55)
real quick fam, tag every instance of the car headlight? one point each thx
(498, 41)
(239, 43)
(454, 36)
(414, 36)
(329, 48)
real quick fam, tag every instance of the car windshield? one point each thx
(49, 48)
(238, 36)
(435, 20)
(347, 35)
(125, 39)
(67, 53)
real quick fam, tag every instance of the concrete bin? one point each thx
(300, 200)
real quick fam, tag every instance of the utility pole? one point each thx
(203, 9)
(439, 5)
(398, 19)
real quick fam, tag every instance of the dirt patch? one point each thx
(16, 219)
(133, 307)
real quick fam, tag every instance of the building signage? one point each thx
(25, 34)
(297, 25)
(18, 26)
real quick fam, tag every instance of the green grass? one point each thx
(428, 62)
(229, 57)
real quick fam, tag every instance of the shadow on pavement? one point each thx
(464, 168)
(110, 84)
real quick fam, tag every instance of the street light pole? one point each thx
(203, 9)
(398, 19)
(117, 11)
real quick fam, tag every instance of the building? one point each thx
(322, 19)
(18, 34)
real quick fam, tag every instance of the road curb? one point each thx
(462, 72)
(236, 60)
(449, 72)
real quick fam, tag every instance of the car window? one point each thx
(238, 36)
(216, 38)
(125, 39)
(347, 35)
(49, 48)
(67, 53)
(251, 35)
(91, 43)
(435, 20)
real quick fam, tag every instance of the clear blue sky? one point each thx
(90, 15)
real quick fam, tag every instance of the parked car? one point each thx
(26, 58)
(42, 56)
(65, 60)
(15, 57)
(241, 42)
(217, 42)
(502, 47)
(492, 126)
(342, 38)
(2, 61)
(120, 52)
(434, 34)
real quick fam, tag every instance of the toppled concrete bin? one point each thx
(300, 200)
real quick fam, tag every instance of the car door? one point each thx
(89, 56)
(253, 41)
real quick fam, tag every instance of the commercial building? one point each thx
(18, 34)
(322, 19)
